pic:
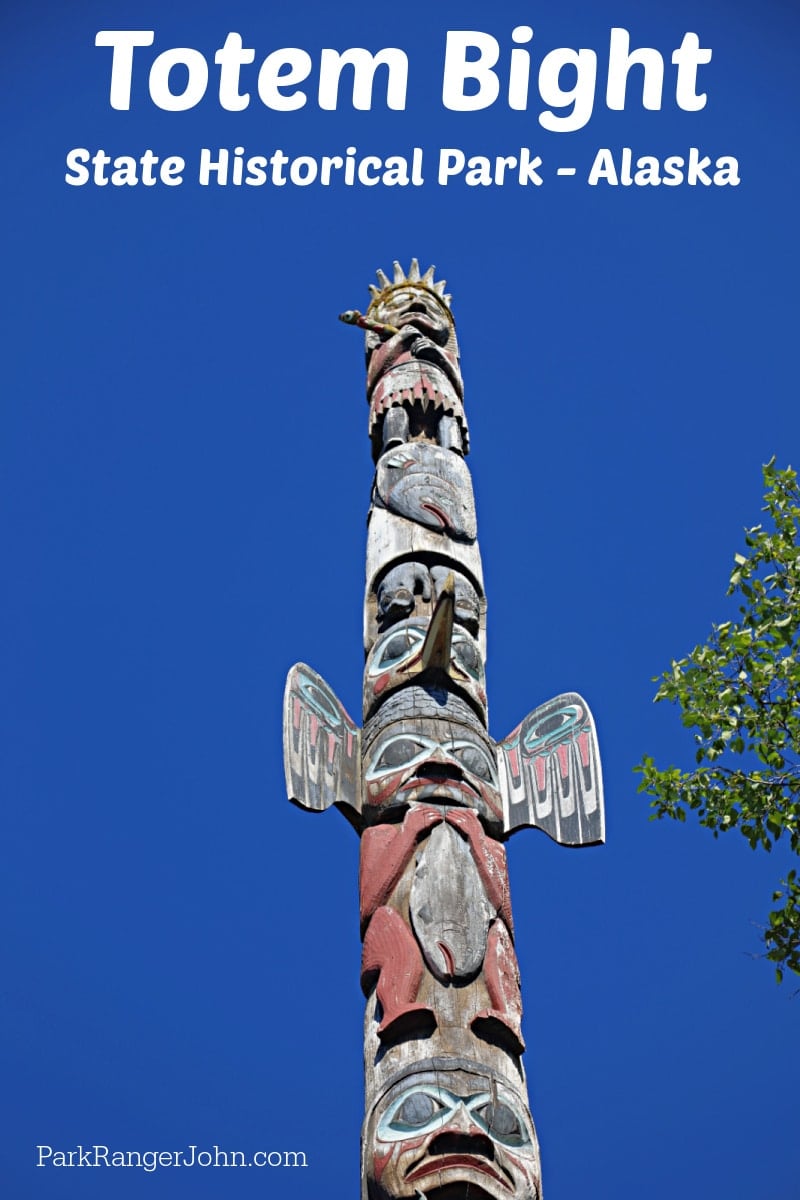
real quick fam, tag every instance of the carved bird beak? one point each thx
(436, 649)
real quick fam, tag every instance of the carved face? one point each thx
(451, 1129)
(415, 306)
(430, 486)
(397, 656)
(421, 763)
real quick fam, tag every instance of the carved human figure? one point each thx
(434, 897)
(414, 384)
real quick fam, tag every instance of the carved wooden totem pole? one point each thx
(431, 795)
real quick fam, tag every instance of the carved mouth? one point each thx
(451, 791)
(445, 1163)
(418, 317)
(440, 516)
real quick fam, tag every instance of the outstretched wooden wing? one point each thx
(321, 746)
(550, 773)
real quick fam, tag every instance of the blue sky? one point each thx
(185, 478)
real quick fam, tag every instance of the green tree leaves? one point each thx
(740, 693)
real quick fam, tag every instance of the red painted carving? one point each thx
(412, 366)
(386, 851)
(501, 973)
(392, 956)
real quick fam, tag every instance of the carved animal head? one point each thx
(435, 651)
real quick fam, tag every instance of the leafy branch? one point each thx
(740, 693)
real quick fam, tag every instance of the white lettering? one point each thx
(581, 96)
(272, 78)
(364, 66)
(79, 176)
(688, 57)
(122, 42)
(620, 62)
(230, 59)
(196, 83)
(458, 69)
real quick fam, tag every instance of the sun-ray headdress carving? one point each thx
(414, 279)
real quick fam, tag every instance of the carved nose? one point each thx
(462, 1136)
(440, 765)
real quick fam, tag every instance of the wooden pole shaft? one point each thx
(432, 796)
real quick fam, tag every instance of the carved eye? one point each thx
(467, 656)
(416, 1110)
(398, 752)
(397, 648)
(419, 1109)
(475, 760)
(400, 460)
(503, 1124)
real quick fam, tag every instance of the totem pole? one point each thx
(431, 795)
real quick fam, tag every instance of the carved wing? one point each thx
(550, 773)
(321, 746)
